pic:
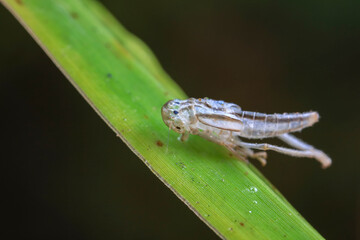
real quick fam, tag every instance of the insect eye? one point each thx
(177, 103)
(175, 112)
(178, 128)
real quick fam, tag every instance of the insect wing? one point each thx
(224, 122)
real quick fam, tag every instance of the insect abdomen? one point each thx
(259, 125)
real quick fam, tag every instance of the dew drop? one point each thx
(253, 189)
(255, 202)
(250, 211)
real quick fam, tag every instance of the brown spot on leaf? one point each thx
(146, 117)
(19, 2)
(246, 173)
(242, 224)
(159, 143)
(74, 15)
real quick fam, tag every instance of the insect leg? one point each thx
(261, 157)
(238, 152)
(310, 153)
(295, 142)
(299, 144)
(243, 152)
(183, 137)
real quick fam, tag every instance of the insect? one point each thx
(227, 124)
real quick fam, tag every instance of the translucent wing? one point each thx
(221, 121)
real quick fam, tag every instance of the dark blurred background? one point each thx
(67, 176)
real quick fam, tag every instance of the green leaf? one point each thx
(122, 80)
